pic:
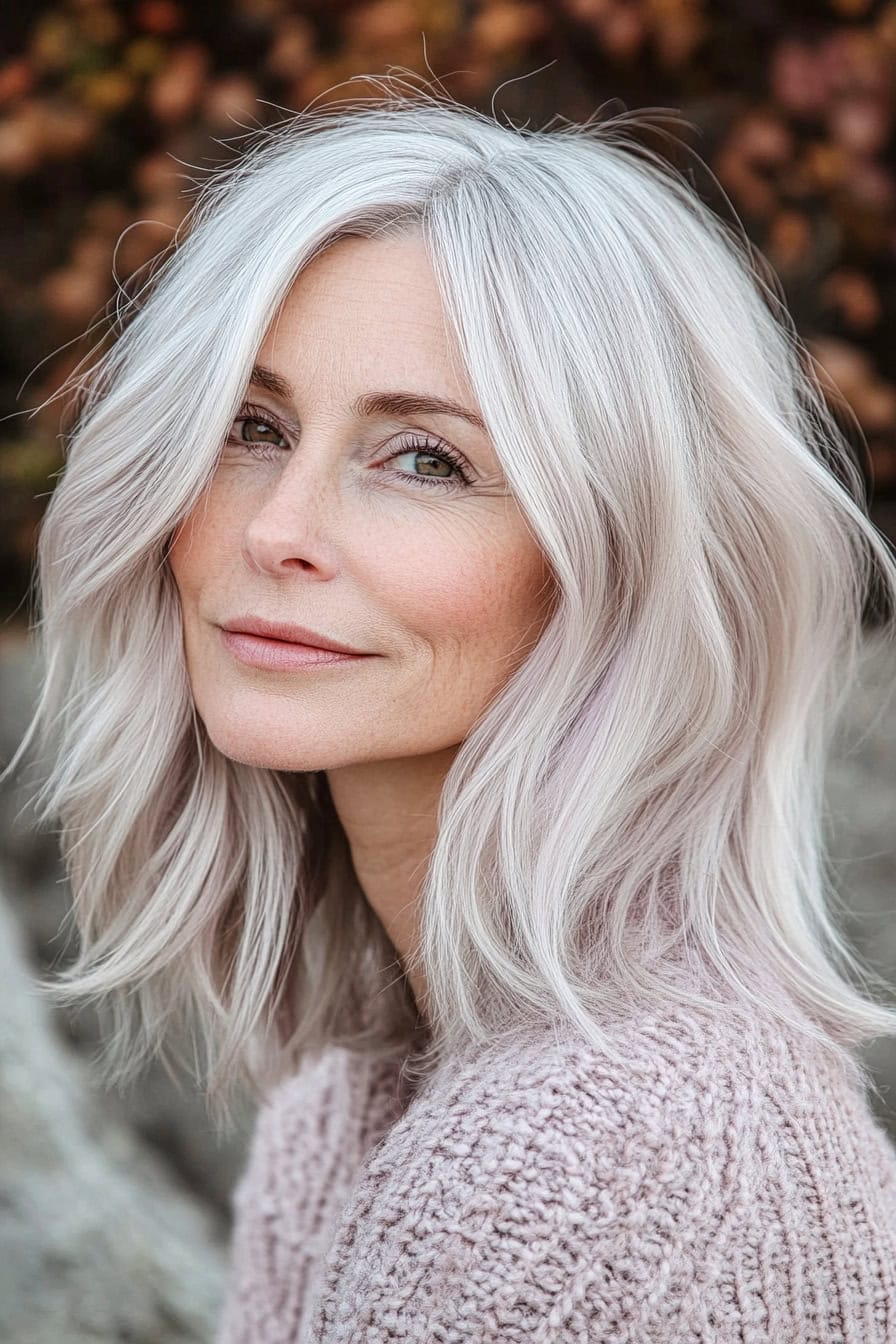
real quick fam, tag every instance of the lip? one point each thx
(280, 655)
(287, 633)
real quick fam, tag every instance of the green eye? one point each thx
(439, 454)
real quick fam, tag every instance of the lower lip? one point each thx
(257, 651)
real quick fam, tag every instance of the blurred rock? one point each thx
(97, 1240)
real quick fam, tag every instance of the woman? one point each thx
(514, 916)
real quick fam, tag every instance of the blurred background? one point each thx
(114, 1209)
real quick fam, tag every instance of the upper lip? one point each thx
(293, 634)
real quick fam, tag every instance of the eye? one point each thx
(434, 455)
(260, 427)
(255, 431)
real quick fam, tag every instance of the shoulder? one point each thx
(671, 1071)
(547, 1178)
(334, 1107)
(309, 1139)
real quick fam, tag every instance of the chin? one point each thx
(269, 747)
(262, 752)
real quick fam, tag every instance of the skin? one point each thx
(443, 582)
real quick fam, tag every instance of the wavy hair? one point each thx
(645, 792)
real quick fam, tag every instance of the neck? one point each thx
(388, 812)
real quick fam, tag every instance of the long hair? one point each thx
(645, 791)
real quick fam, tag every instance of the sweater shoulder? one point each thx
(308, 1143)
(668, 1066)
(712, 1175)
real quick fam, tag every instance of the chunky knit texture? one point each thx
(724, 1185)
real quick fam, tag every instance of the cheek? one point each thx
(478, 600)
(202, 544)
(182, 555)
(442, 593)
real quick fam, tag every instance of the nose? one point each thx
(286, 532)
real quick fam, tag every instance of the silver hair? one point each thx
(645, 791)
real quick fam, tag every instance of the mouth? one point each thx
(274, 654)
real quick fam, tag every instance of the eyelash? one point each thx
(431, 448)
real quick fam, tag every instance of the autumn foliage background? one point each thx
(111, 113)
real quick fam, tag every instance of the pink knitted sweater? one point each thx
(724, 1185)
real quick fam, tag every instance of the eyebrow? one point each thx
(376, 403)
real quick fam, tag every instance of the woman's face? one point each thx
(348, 520)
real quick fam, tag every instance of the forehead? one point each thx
(370, 308)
